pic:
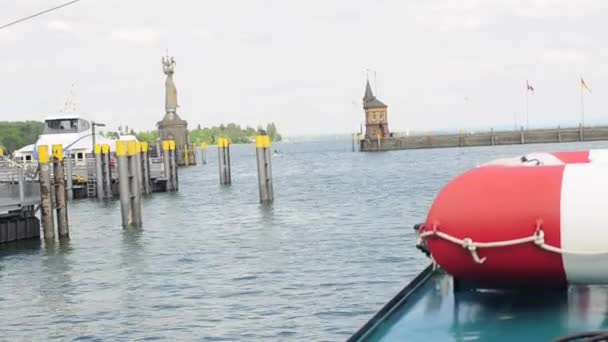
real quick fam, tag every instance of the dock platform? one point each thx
(428, 309)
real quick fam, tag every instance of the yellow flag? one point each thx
(584, 85)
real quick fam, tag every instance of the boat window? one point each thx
(80, 156)
(28, 158)
(58, 126)
(85, 124)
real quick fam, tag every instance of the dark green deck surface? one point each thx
(433, 312)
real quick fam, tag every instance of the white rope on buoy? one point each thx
(538, 238)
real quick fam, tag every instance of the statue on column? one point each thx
(170, 90)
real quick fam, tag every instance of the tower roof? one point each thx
(369, 100)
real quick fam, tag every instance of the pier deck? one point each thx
(429, 310)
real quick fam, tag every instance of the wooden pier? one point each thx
(491, 138)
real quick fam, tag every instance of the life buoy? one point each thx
(523, 225)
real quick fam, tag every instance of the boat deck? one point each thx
(429, 310)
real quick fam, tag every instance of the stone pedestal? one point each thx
(172, 127)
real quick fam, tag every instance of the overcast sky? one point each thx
(440, 64)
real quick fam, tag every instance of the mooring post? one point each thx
(580, 132)
(139, 172)
(60, 202)
(123, 183)
(145, 168)
(98, 172)
(262, 144)
(492, 136)
(223, 155)
(107, 171)
(521, 135)
(353, 141)
(203, 153)
(186, 155)
(134, 187)
(559, 134)
(46, 202)
(173, 164)
(167, 164)
(67, 160)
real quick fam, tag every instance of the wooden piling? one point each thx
(98, 172)
(580, 132)
(107, 171)
(146, 168)
(521, 135)
(353, 141)
(262, 144)
(69, 177)
(139, 167)
(173, 165)
(492, 136)
(134, 187)
(203, 153)
(46, 203)
(123, 183)
(167, 163)
(223, 155)
(60, 202)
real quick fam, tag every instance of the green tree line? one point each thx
(235, 133)
(16, 134)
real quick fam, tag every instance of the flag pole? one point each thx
(582, 108)
(527, 112)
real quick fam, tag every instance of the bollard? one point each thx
(123, 183)
(145, 168)
(521, 135)
(46, 203)
(69, 189)
(203, 153)
(173, 165)
(353, 141)
(139, 167)
(107, 171)
(580, 132)
(186, 155)
(223, 155)
(134, 187)
(262, 144)
(167, 163)
(60, 203)
(98, 172)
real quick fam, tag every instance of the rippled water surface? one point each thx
(211, 263)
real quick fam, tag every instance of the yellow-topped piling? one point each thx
(131, 147)
(1, 151)
(166, 145)
(144, 146)
(97, 149)
(58, 152)
(121, 148)
(43, 154)
(262, 141)
(137, 147)
(105, 149)
(172, 145)
(223, 142)
(204, 145)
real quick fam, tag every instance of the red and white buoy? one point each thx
(506, 225)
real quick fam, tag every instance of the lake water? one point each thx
(213, 264)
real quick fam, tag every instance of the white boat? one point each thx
(71, 131)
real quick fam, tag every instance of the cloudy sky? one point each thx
(440, 64)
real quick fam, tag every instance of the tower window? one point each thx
(374, 116)
(381, 116)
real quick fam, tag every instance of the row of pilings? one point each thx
(134, 178)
